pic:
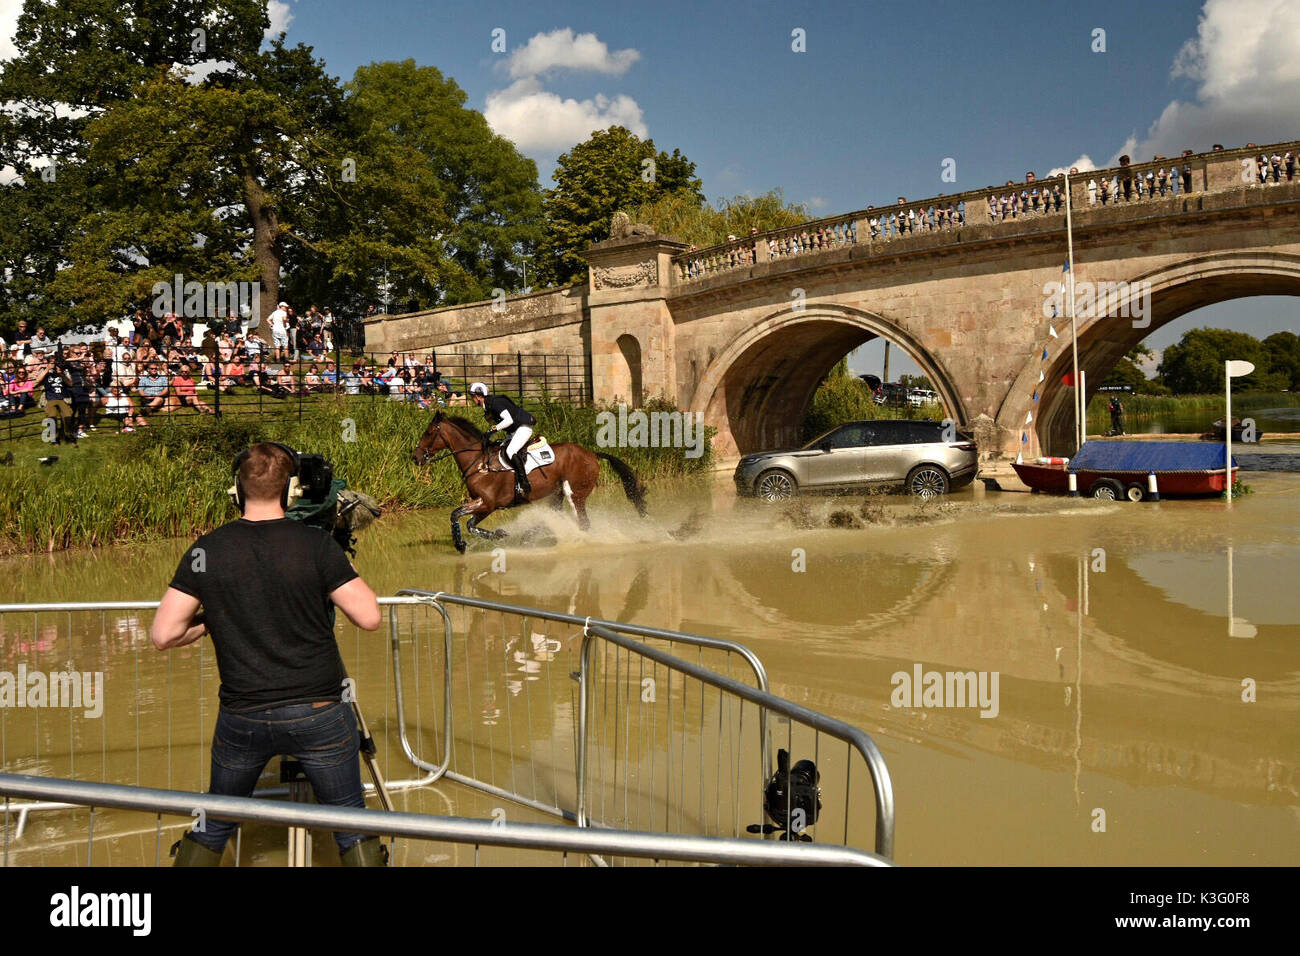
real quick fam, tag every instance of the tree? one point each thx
(679, 214)
(613, 170)
(1283, 350)
(1195, 364)
(488, 197)
(74, 59)
(1127, 371)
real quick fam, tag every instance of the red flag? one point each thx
(1068, 379)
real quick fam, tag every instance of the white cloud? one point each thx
(1083, 164)
(1245, 60)
(536, 119)
(542, 122)
(562, 49)
(9, 12)
(280, 15)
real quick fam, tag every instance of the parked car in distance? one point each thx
(918, 397)
(861, 455)
(891, 393)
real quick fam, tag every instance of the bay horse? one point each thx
(571, 477)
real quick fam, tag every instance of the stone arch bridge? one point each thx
(745, 331)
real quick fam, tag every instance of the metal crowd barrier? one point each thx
(456, 830)
(719, 734)
(509, 701)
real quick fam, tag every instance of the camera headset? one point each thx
(292, 489)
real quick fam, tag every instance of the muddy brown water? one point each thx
(1120, 687)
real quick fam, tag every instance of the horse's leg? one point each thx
(473, 527)
(456, 537)
(475, 509)
(580, 509)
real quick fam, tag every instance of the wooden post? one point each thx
(519, 373)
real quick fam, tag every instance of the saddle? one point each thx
(537, 454)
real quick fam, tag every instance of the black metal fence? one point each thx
(137, 393)
(554, 376)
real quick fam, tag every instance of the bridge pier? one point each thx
(633, 336)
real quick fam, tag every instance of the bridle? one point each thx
(425, 458)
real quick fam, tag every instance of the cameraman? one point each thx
(268, 585)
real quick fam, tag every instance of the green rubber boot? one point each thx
(369, 852)
(190, 852)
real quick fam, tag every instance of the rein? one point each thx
(482, 450)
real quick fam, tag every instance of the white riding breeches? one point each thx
(518, 440)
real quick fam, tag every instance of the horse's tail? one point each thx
(634, 490)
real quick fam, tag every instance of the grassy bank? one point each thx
(1145, 408)
(170, 479)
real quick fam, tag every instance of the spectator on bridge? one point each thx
(1162, 179)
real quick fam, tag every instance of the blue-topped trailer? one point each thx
(1124, 469)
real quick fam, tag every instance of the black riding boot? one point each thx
(522, 486)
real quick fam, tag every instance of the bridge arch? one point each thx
(1105, 339)
(758, 389)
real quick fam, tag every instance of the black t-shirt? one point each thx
(265, 588)
(494, 405)
(56, 389)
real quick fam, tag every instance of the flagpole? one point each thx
(1074, 329)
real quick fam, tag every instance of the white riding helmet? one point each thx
(478, 388)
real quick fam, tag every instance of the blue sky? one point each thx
(882, 94)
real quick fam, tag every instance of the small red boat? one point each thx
(1121, 469)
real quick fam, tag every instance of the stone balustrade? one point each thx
(994, 205)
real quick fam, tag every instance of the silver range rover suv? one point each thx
(860, 455)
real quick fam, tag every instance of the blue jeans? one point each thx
(323, 739)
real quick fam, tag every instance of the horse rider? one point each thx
(515, 422)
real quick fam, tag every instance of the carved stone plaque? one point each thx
(625, 277)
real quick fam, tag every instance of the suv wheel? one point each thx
(927, 481)
(776, 485)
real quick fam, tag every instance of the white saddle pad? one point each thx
(539, 453)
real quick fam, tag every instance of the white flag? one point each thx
(1052, 330)
(1029, 417)
(1041, 376)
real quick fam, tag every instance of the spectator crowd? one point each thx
(143, 366)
